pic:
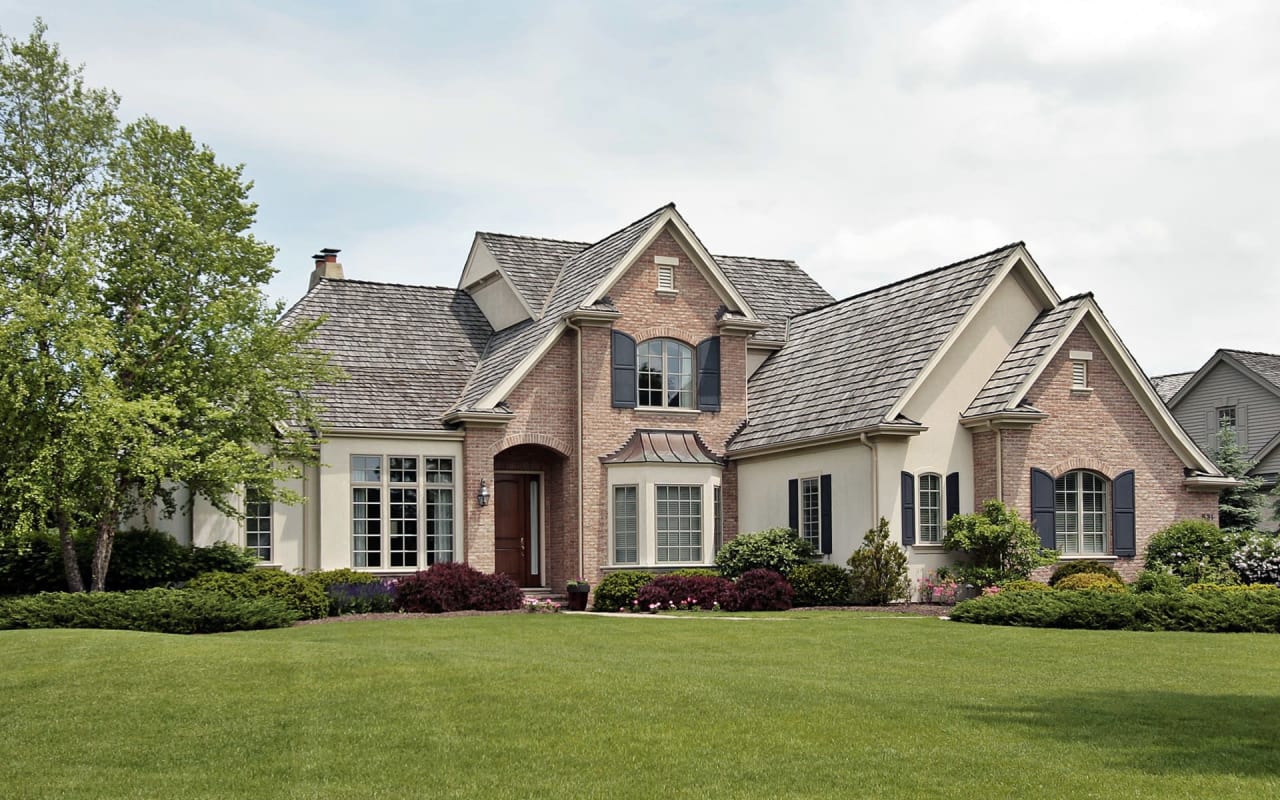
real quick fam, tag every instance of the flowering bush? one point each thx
(1194, 550)
(1257, 558)
(938, 590)
(545, 605)
(987, 591)
(667, 592)
(758, 590)
(365, 597)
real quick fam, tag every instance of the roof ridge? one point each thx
(1074, 297)
(791, 261)
(1249, 352)
(361, 281)
(628, 225)
(532, 238)
(910, 278)
(1174, 374)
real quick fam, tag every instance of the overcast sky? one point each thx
(1135, 146)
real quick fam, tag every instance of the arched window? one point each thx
(664, 374)
(1080, 513)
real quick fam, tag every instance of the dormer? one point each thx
(492, 289)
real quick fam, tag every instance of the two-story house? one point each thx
(572, 408)
(1237, 389)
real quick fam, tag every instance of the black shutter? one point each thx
(709, 374)
(908, 509)
(953, 494)
(824, 484)
(1042, 506)
(1123, 532)
(793, 505)
(624, 370)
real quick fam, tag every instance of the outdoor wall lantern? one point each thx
(483, 496)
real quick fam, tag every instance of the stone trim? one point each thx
(666, 332)
(545, 440)
(1084, 462)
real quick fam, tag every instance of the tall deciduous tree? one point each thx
(138, 352)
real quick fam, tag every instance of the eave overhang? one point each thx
(1003, 420)
(882, 430)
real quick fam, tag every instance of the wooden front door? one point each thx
(515, 527)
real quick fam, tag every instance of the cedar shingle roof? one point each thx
(1168, 385)
(1004, 383)
(846, 364)
(1265, 365)
(532, 264)
(407, 351)
(775, 289)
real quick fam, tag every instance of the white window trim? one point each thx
(1108, 544)
(272, 529)
(816, 482)
(421, 486)
(693, 373)
(647, 477)
(941, 509)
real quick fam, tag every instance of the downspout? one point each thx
(999, 464)
(875, 477)
(582, 563)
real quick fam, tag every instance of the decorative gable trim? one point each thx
(701, 257)
(1027, 270)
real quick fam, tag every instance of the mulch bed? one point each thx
(919, 609)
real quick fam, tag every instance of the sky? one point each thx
(1134, 145)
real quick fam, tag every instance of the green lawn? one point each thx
(530, 706)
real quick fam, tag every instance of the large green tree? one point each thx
(138, 351)
(1239, 507)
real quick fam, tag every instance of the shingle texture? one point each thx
(408, 351)
(1168, 385)
(1002, 387)
(532, 264)
(775, 289)
(1266, 365)
(846, 364)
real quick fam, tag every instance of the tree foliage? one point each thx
(137, 348)
(1240, 506)
(878, 569)
(1000, 545)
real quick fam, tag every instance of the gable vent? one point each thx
(666, 278)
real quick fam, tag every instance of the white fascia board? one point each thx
(393, 433)
(527, 363)
(1048, 295)
(704, 263)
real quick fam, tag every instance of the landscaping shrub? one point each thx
(1154, 581)
(218, 557)
(31, 563)
(302, 596)
(666, 592)
(696, 572)
(618, 590)
(878, 569)
(820, 585)
(331, 577)
(454, 586)
(369, 597)
(1026, 586)
(1220, 588)
(1083, 567)
(758, 590)
(1091, 582)
(999, 544)
(1210, 612)
(1194, 550)
(1257, 558)
(153, 610)
(939, 587)
(777, 549)
(496, 592)
(141, 559)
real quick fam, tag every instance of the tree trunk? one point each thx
(102, 550)
(70, 562)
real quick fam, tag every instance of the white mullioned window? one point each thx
(811, 511)
(678, 523)
(929, 529)
(388, 512)
(626, 525)
(664, 374)
(1227, 417)
(1080, 514)
(257, 523)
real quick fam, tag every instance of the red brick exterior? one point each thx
(543, 433)
(1105, 430)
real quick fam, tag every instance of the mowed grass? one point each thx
(528, 706)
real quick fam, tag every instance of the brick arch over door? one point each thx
(1084, 462)
(555, 443)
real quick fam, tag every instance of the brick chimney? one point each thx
(327, 266)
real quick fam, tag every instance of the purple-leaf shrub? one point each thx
(758, 590)
(666, 592)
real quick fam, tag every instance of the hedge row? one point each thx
(152, 610)
(1210, 611)
(754, 590)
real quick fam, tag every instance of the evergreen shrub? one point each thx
(303, 597)
(617, 592)
(1078, 567)
(152, 610)
(820, 585)
(1091, 582)
(777, 549)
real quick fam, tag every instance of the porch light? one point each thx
(483, 496)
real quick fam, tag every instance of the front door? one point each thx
(515, 527)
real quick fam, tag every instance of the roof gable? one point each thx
(531, 264)
(1261, 368)
(847, 365)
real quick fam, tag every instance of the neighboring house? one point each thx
(1239, 389)
(574, 408)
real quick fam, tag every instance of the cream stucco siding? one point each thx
(499, 304)
(763, 485)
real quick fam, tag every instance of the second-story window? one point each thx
(664, 374)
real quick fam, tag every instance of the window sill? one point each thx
(1089, 557)
(667, 292)
(268, 565)
(666, 410)
(928, 547)
(656, 568)
(1082, 390)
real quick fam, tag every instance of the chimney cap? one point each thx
(330, 250)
